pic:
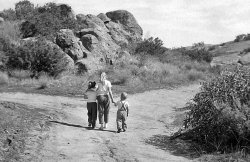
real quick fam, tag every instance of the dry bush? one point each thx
(219, 115)
(194, 75)
(199, 66)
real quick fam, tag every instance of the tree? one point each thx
(151, 46)
(8, 14)
(24, 9)
(47, 20)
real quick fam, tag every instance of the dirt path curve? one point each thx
(70, 140)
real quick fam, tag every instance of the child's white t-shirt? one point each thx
(91, 94)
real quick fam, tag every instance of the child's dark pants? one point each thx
(121, 120)
(92, 113)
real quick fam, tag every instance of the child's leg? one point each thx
(94, 114)
(89, 113)
(124, 121)
(119, 120)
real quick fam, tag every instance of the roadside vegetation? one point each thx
(217, 119)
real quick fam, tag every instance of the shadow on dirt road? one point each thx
(147, 137)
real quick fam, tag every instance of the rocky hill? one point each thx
(232, 52)
(95, 41)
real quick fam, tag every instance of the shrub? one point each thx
(152, 46)
(211, 48)
(8, 15)
(194, 75)
(37, 56)
(47, 20)
(219, 115)
(24, 9)
(197, 52)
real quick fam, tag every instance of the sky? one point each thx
(176, 22)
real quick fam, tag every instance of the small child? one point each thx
(122, 113)
(90, 95)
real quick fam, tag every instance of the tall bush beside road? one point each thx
(37, 57)
(219, 116)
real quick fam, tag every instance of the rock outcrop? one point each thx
(71, 44)
(105, 34)
(245, 59)
(104, 18)
(242, 37)
(96, 40)
(127, 20)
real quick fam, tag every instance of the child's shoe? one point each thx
(124, 130)
(101, 128)
(89, 125)
(93, 126)
(105, 125)
(119, 130)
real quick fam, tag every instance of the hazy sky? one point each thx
(176, 22)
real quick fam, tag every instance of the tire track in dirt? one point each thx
(70, 140)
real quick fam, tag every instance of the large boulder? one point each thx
(101, 44)
(127, 20)
(117, 33)
(245, 59)
(71, 45)
(89, 65)
(104, 18)
(89, 41)
(104, 36)
(89, 21)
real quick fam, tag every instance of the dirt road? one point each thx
(70, 140)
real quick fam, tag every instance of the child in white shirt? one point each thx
(90, 95)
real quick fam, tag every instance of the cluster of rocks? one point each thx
(100, 40)
(242, 37)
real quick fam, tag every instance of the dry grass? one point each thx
(230, 48)
(20, 74)
(238, 156)
(4, 79)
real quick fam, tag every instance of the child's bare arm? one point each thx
(127, 109)
(85, 96)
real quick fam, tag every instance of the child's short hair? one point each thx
(91, 84)
(124, 96)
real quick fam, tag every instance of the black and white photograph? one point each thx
(125, 81)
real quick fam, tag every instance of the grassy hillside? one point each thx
(230, 48)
